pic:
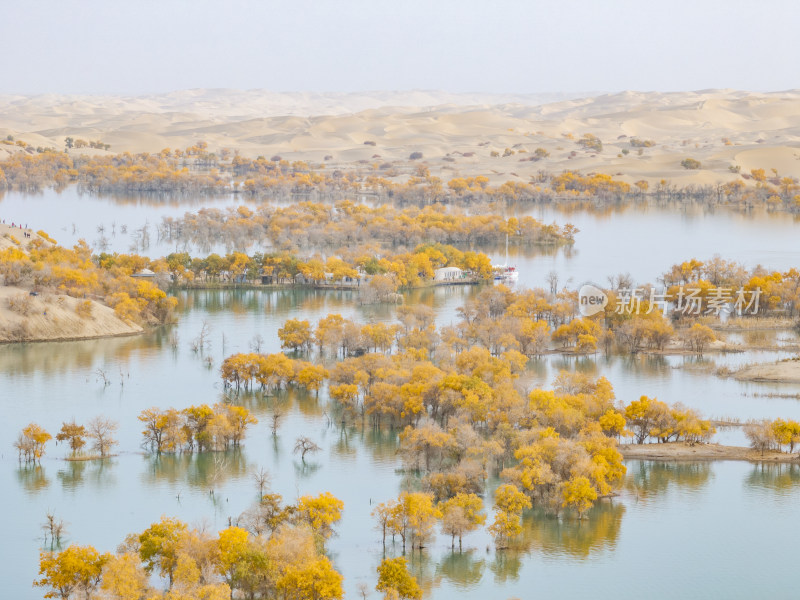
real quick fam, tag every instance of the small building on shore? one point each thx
(144, 274)
(448, 274)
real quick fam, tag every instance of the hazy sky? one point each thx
(142, 46)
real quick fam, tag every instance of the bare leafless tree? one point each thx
(54, 528)
(256, 343)
(220, 464)
(363, 590)
(202, 342)
(101, 431)
(102, 376)
(174, 340)
(303, 446)
(277, 415)
(262, 479)
(552, 280)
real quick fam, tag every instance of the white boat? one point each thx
(504, 273)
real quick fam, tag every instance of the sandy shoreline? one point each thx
(680, 451)
(786, 371)
(52, 317)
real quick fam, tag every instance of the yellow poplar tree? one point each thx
(393, 575)
(77, 569)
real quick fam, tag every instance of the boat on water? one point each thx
(503, 273)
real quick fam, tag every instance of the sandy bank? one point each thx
(54, 317)
(786, 371)
(14, 237)
(50, 316)
(684, 451)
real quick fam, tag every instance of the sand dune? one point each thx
(51, 317)
(721, 128)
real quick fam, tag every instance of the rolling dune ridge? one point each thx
(720, 128)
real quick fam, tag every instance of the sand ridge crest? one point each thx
(721, 128)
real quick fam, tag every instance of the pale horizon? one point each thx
(96, 48)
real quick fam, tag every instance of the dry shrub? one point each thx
(44, 235)
(20, 304)
(84, 309)
(13, 274)
(19, 332)
(381, 288)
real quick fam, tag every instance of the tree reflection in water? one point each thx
(97, 473)
(463, 569)
(781, 477)
(648, 479)
(32, 478)
(506, 565)
(568, 536)
(200, 470)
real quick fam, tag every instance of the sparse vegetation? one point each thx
(691, 164)
(639, 143)
(591, 142)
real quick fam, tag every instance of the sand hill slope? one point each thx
(720, 128)
(48, 315)
(53, 317)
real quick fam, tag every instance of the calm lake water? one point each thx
(727, 528)
(641, 240)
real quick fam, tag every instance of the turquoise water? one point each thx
(724, 529)
(641, 240)
(669, 517)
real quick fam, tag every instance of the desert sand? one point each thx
(455, 132)
(684, 451)
(51, 316)
(15, 236)
(786, 371)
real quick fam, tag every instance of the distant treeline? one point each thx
(407, 269)
(310, 224)
(195, 170)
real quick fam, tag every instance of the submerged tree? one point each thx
(393, 576)
(31, 441)
(460, 515)
(303, 446)
(54, 528)
(74, 435)
(101, 431)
